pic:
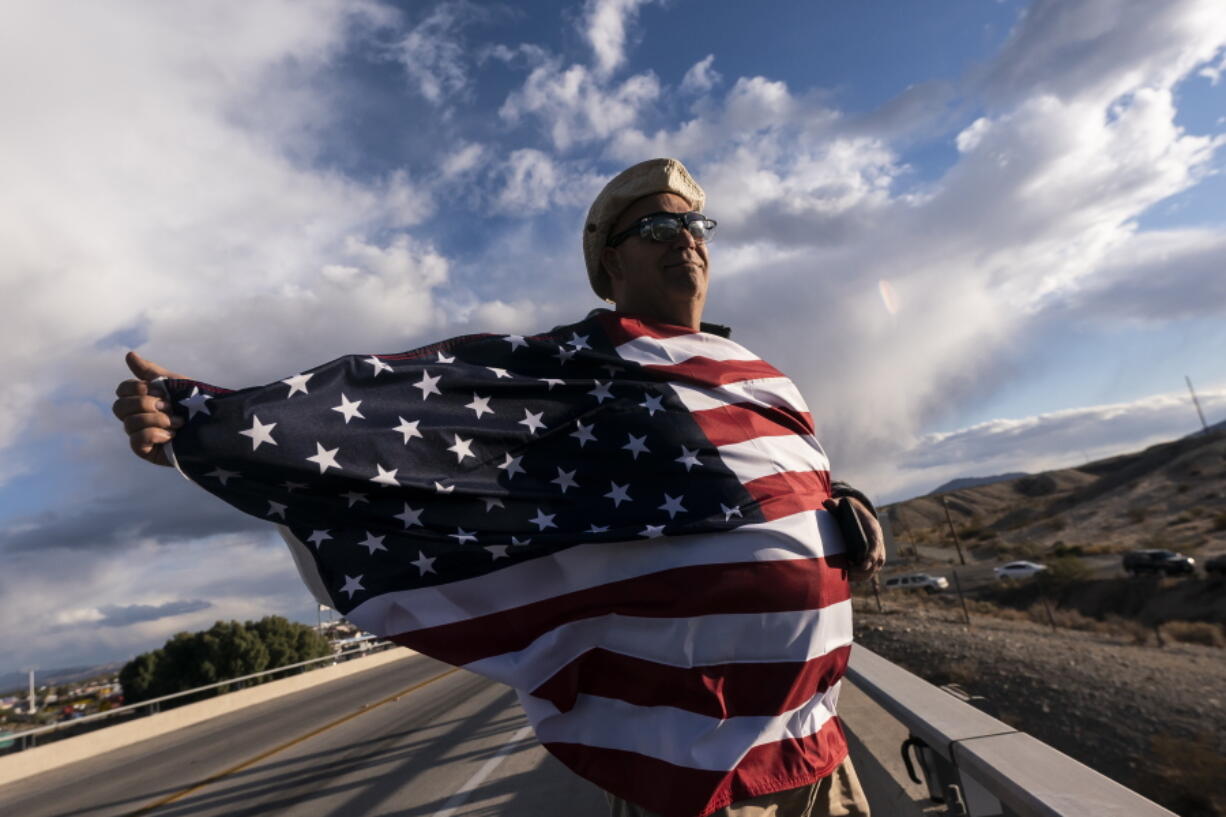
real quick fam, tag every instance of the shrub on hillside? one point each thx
(1195, 632)
(1064, 570)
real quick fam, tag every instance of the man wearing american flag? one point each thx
(627, 519)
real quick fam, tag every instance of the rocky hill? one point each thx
(1171, 495)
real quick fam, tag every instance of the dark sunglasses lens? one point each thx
(701, 229)
(663, 228)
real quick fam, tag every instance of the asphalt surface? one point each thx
(412, 738)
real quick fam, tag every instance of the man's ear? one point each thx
(611, 266)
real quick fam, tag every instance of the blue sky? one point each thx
(244, 189)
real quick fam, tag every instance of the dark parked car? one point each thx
(1216, 566)
(1169, 562)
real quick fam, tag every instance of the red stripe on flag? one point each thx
(623, 329)
(780, 495)
(703, 371)
(738, 422)
(678, 791)
(743, 587)
(719, 691)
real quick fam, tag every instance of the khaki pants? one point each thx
(838, 794)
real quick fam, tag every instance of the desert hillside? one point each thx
(1171, 495)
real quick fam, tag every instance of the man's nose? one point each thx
(685, 239)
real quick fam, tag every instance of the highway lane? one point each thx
(410, 738)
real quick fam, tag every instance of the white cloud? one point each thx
(701, 77)
(575, 106)
(533, 182)
(604, 26)
(434, 55)
(1058, 439)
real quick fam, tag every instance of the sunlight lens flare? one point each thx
(889, 298)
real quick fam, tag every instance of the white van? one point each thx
(917, 581)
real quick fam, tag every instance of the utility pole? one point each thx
(952, 532)
(32, 702)
(1204, 426)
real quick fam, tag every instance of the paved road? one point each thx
(411, 738)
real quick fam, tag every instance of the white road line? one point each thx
(477, 779)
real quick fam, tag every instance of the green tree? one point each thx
(228, 649)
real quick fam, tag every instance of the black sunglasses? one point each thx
(665, 227)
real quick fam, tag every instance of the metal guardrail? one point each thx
(28, 738)
(999, 770)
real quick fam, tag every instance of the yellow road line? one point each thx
(253, 760)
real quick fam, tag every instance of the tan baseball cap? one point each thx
(633, 183)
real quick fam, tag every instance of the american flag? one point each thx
(620, 519)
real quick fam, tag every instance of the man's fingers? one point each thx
(144, 440)
(139, 422)
(147, 369)
(145, 404)
(131, 388)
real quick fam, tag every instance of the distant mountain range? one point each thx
(970, 482)
(17, 682)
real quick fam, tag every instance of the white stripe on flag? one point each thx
(651, 351)
(673, 735)
(794, 635)
(768, 392)
(764, 456)
(804, 535)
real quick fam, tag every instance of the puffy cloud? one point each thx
(604, 26)
(434, 55)
(122, 615)
(701, 77)
(534, 182)
(575, 106)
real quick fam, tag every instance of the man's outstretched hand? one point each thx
(874, 557)
(143, 413)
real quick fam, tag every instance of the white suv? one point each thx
(917, 581)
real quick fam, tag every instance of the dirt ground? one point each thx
(1152, 718)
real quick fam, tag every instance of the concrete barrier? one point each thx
(69, 750)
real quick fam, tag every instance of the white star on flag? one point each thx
(276, 509)
(688, 458)
(462, 448)
(352, 585)
(619, 494)
(259, 433)
(735, 510)
(385, 478)
(551, 382)
(409, 430)
(443, 489)
(325, 458)
(423, 563)
(196, 403)
(354, 498)
(543, 520)
(480, 405)
(499, 373)
(598, 529)
(492, 502)
(579, 342)
(290, 487)
(349, 408)
(445, 358)
(462, 536)
(512, 466)
(636, 445)
(222, 475)
(372, 543)
(497, 551)
(428, 384)
(601, 392)
(651, 402)
(584, 435)
(532, 421)
(672, 505)
(652, 531)
(565, 479)
(516, 341)
(564, 355)
(517, 541)
(411, 516)
(296, 384)
(318, 537)
(378, 365)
